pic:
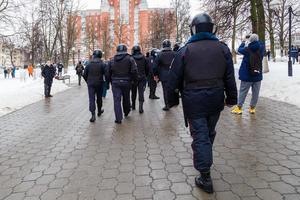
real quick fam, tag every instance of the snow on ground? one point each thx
(15, 94)
(278, 85)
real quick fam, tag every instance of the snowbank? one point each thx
(15, 94)
(278, 85)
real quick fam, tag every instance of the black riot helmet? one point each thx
(154, 52)
(136, 50)
(121, 49)
(176, 46)
(97, 54)
(166, 43)
(202, 23)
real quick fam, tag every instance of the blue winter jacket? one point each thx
(244, 74)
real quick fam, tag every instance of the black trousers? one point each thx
(164, 87)
(153, 85)
(140, 88)
(47, 89)
(95, 95)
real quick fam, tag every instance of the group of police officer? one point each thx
(201, 72)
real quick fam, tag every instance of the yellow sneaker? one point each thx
(237, 110)
(252, 110)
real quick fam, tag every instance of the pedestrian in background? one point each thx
(79, 71)
(60, 68)
(30, 71)
(5, 72)
(48, 73)
(250, 73)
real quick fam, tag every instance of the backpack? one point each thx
(255, 64)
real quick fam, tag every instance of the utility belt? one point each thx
(204, 84)
(121, 79)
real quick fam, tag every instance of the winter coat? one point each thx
(142, 65)
(48, 73)
(163, 62)
(244, 72)
(79, 69)
(94, 72)
(207, 98)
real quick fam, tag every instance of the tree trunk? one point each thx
(234, 33)
(253, 11)
(261, 20)
(271, 33)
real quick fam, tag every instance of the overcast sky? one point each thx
(195, 4)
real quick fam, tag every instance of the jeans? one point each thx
(79, 79)
(244, 89)
(203, 133)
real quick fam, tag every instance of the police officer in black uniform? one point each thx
(122, 71)
(152, 81)
(143, 71)
(176, 46)
(203, 72)
(162, 65)
(94, 76)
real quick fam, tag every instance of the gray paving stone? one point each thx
(148, 157)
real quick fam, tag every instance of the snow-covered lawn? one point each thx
(15, 94)
(278, 85)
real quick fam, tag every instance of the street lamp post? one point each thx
(290, 65)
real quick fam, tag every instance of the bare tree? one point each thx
(105, 37)
(182, 19)
(162, 26)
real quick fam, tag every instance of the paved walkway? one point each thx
(49, 150)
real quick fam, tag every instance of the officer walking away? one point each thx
(48, 72)
(79, 71)
(162, 65)
(176, 46)
(203, 71)
(152, 81)
(122, 70)
(140, 85)
(94, 76)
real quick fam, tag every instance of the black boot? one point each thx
(100, 112)
(133, 105)
(93, 118)
(204, 182)
(166, 108)
(141, 110)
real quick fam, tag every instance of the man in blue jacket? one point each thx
(203, 73)
(248, 79)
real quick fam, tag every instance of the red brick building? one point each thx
(117, 21)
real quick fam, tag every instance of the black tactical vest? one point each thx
(205, 65)
(121, 66)
(165, 59)
(141, 63)
(96, 70)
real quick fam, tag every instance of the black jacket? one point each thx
(202, 71)
(94, 72)
(162, 63)
(142, 66)
(122, 67)
(48, 72)
(79, 69)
